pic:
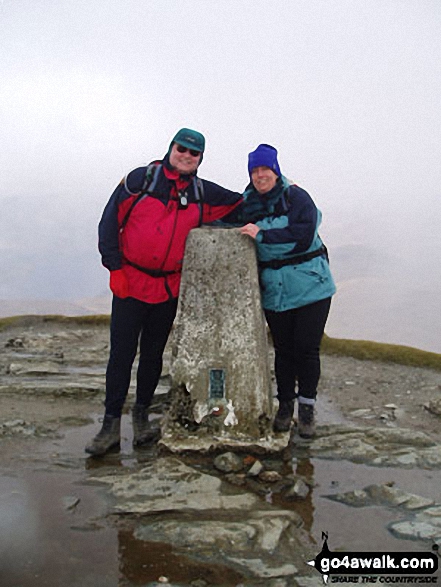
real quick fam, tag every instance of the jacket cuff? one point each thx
(259, 236)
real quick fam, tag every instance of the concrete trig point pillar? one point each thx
(221, 384)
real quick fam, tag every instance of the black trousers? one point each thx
(134, 322)
(297, 335)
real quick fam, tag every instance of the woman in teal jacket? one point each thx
(296, 282)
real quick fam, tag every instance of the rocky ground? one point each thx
(255, 522)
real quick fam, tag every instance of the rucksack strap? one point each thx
(152, 272)
(149, 184)
(198, 187)
(278, 263)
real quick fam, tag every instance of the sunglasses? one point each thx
(192, 152)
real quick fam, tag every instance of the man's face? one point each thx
(184, 160)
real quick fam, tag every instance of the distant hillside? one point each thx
(386, 310)
(375, 301)
(84, 307)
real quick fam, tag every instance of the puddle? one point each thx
(359, 529)
(144, 562)
(53, 529)
(44, 543)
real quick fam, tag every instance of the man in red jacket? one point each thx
(142, 236)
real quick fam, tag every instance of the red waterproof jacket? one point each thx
(150, 246)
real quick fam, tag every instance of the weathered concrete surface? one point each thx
(220, 327)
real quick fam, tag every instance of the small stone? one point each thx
(256, 469)
(236, 479)
(362, 413)
(434, 407)
(270, 476)
(228, 462)
(299, 490)
(70, 502)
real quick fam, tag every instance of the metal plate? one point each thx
(217, 384)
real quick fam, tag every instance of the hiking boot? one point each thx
(143, 432)
(108, 438)
(306, 421)
(282, 421)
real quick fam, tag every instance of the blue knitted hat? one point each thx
(264, 156)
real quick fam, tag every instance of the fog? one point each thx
(347, 91)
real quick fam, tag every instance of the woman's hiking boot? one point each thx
(306, 421)
(283, 419)
(143, 432)
(108, 438)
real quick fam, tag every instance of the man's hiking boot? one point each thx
(143, 432)
(306, 421)
(108, 438)
(282, 421)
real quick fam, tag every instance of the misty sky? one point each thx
(347, 90)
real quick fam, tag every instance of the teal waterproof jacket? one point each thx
(288, 232)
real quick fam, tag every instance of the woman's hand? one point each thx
(250, 230)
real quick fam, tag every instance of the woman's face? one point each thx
(185, 161)
(264, 179)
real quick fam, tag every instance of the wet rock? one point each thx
(255, 469)
(399, 436)
(377, 446)
(236, 479)
(410, 457)
(253, 544)
(70, 502)
(55, 387)
(23, 428)
(15, 343)
(426, 525)
(395, 497)
(383, 495)
(434, 407)
(228, 462)
(16, 427)
(365, 413)
(36, 369)
(356, 498)
(259, 569)
(351, 445)
(167, 484)
(299, 490)
(199, 583)
(270, 476)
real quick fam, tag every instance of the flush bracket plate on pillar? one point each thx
(217, 384)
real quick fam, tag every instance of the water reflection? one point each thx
(143, 562)
(305, 468)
